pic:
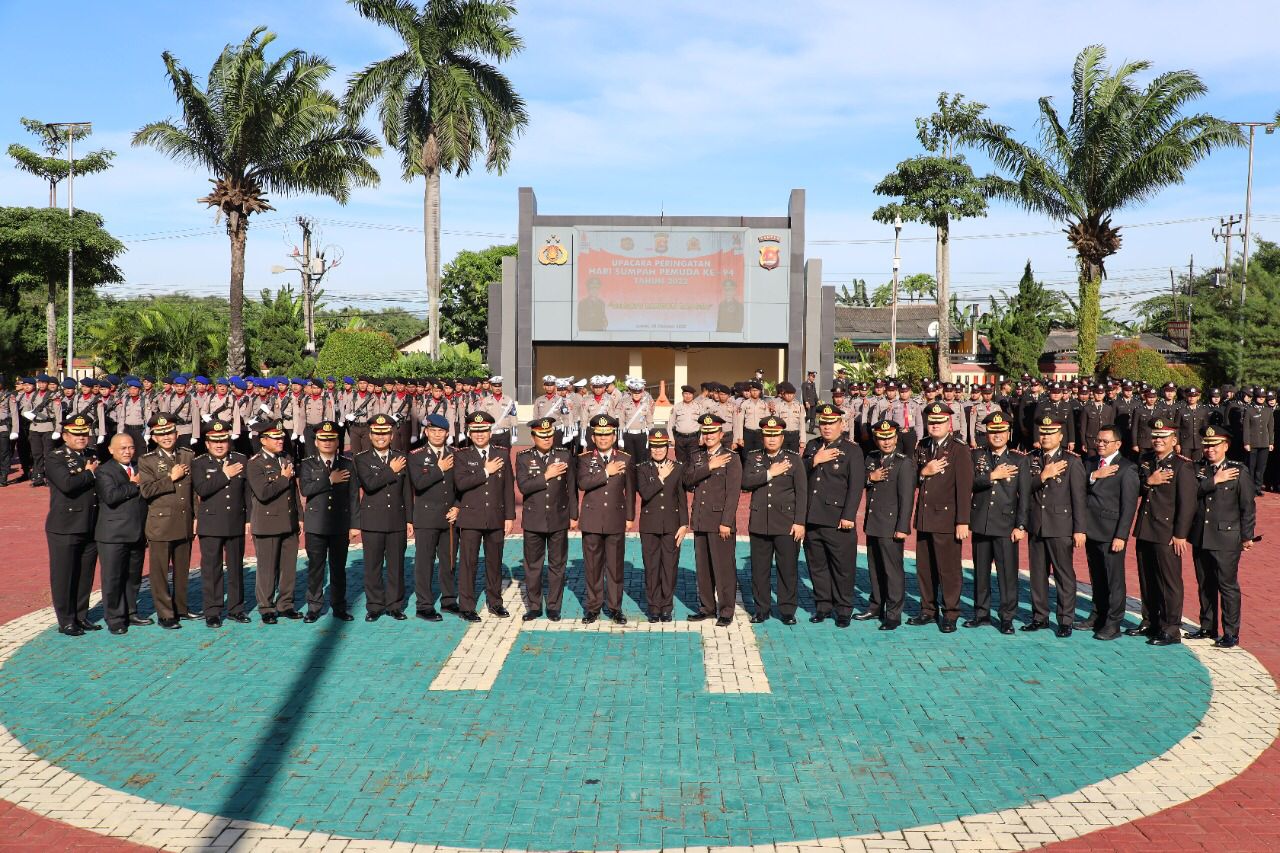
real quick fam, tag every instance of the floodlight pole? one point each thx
(892, 369)
(1269, 127)
(72, 127)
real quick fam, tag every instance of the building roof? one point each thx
(871, 325)
(1064, 340)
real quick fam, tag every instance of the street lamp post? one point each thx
(72, 128)
(892, 369)
(1269, 127)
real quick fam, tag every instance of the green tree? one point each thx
(455, 361)
(939, 188)
(465, 294)
(915, 363)
(1121, 145)
(276, 331)
(1219, 322)
(396, 322)
(261, 126)
(53, 167)
(355, 352)
(1019, 328)
(33, 258)
(856, 298)
(442, 102)
(919, 287)
(157, 336)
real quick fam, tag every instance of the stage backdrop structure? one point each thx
(680, 298)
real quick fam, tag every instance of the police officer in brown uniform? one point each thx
(943, 505)
(1164, 522)
(486, 499)
(326, 481)
(715, 478)
(664, 522)
(1058, 523)
(684, 423)
(434, 514)
(164, 477)
(381, 507)
(998, 519)
(273, 521)
(1222, 529)
(545, 476)
(834, 473)
(606, 476)
(792, 413)
(779, 503)
(891, 491)
(219, 481)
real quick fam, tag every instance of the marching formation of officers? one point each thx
(1030, 468)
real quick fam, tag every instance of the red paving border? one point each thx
(1241, 816)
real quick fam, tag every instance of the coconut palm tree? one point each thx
(261, 126)
(1121, 145)
(441, 102)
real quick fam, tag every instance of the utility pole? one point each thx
(72, 128)
(312, 268)
(1224, 233)
(892, 369)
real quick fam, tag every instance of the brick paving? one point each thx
(1238, 814)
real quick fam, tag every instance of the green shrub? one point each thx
(355, 352)
(455, 360)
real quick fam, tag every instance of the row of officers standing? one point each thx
(459, 502)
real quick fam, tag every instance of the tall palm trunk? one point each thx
(1087, 334)
(431, 248)
(942, 253)
(237, 229)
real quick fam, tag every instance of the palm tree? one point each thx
(1121, 145)
(261, 126)
(441, 103)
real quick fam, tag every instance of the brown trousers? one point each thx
(601, 557)
(163, 556)
(660, 558)
(468, 562)
(938, 565)
(717, 574)
(555, 547)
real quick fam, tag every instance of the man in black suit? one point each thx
(891, 491)
(325, 481)
(120, 534)
(381, 506)
(1222, 529)
(486, 513)
(779, 504)
(998, 520)
(835, 472)
(69, 527)
(1111, 503)
(664, 522)
(545, 475)
(434, 514)
(1057, 516)
(218, 478)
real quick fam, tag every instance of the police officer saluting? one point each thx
(664, 521)
(434, 514)
(545, 475)
(1222, 528)
(69, 527)
(486, 510)
(325, 480)
(835, 471)
(273, 519)
(715, 478)
(606, 476)
(381, 502)
(165, 480)
(1165, 517)
(943, 505)
(779, 503)
(218, 478)
(998, 520)
(891, 489)
(1058, 522)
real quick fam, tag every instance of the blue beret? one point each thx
(133, 383)
(88, 382)
(203, 380)
(179, 380)
(331, 379)
(281, 380)
(237, 382)
(68, 383)
(43, 377)
(147, 377)
(347, 380)
(437, 421)
(221, 380)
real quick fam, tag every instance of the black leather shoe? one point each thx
(397, 615)
(921, 619)
(242, 618)
(343, 616)
(724, 622)
(429, 616)
(451, 608)
(88, 626)
(499, 611)
(190, 615)
(1063, 631)
(758, 618)
(173, 624)
(1198, 634)
(120, 629)
(1089, 624)
(697, 617)
(312, 616)
(1006, 628)
(787, 620)
(72, 630)
(618, 618)
(589, 617)
(1034, 626)
(1164, 640)
(889, 626)
(976, 623)
(267, 619)
(135, 619)
(819, 617)
(213, 621)
(290, 614)
(947, 626)
(1138, 631)
(666, 617)
(843, 621)
(866, 616)
(553, 615)
(469, 616)
(654, 618)
(1227, 641)
(530, 615)
(373, 616)
(1111, 634)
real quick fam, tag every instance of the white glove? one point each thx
(515, 436)
(264, 408)
(146, 435)
(100, 438)
(448, 440)
(31, 416)
(296, 436)
(235, 436)
(13, 436)
(206, 418)
(350, 418)
(194, 439)
(57, 435)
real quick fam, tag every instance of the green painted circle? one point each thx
(595, 739)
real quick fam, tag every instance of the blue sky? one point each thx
(691, 108)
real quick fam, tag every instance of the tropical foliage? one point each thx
(455, 360)
(355, 352)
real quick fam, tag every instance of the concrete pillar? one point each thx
(510, 347)
(635, 363)
(681, 373)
